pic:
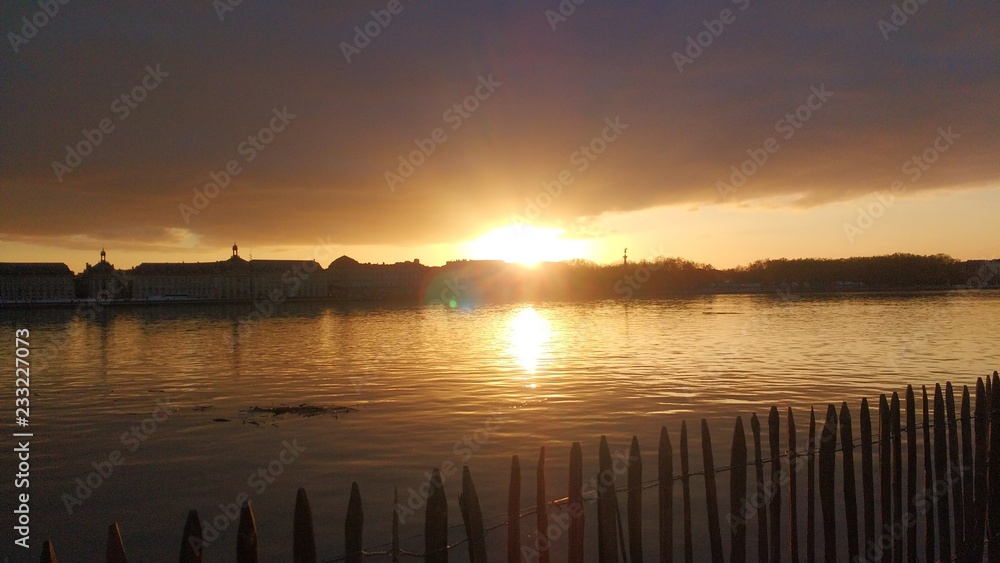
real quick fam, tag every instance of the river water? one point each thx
(165, 392)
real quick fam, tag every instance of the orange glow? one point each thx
(526, 244)
(529, 335)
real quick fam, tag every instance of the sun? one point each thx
(526, 244)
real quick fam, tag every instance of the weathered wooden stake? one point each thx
(941, 502)
(774, 506)
(763, 553)
(955, 468)
(686, 491)
(711, 494)
(827, 473)
(303, 535)
(793, 505)
(48, 553)
(665, 474)
(968, 501)
(885, 472)
(115, 552)
(737, 495)
(246, 536)
(811, 490)
(929, 541)
(192, 544)
(897, 476)
(541, 511)
(982, 464)
(994, 495)
(867, 474)
(850, 488)
(634, 501)
(395, 551)
(911, 472)
(354, 526)
(472, 517)
(436, 522)
(607, 539)
(514, 510)
(576, 509)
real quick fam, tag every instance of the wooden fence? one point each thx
(959, 500)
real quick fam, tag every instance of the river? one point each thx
(158, 398)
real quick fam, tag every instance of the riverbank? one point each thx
(781, 291)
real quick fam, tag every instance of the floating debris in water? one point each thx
(220, 420)
(301, 410)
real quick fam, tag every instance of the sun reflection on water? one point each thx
(529, 332)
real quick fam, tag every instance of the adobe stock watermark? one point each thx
(132, 439)
(874, 548)
(899, 16)
(451, 292)
(754, 504)
(454, 116)
(122, 107)
(581, 160)
(89, 310)
(463, 449)
(638, 275)
(906, 347)
(986, 276)
(223, 7)
(560, 523)
(249, 149)
(48, 10)
(786, 291)
(258, 480)
(697, 43)
(563, 11)
(787, 126)
(913, 168)
(363, 35)
(292, 280)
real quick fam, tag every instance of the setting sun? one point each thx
(526, 244)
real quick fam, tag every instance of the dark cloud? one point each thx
(324, 174)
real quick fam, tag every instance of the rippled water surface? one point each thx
(429, 385)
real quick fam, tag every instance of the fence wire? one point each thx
(592, 498)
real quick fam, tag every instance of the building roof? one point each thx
(282, 265)
(34, 269)
(347, 263)
(234, 264)
(183, 268)
(99, 268)
(344, 262)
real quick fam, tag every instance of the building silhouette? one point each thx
(234, 279)
(347, 279)
(35, 282)
(102, 281)
(468, 282)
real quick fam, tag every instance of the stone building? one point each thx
(233, 279)
(348, 279)
(35, 282)
(102, 281)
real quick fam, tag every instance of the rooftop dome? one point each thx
(344, 261)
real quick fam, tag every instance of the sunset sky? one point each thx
(427, 133)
